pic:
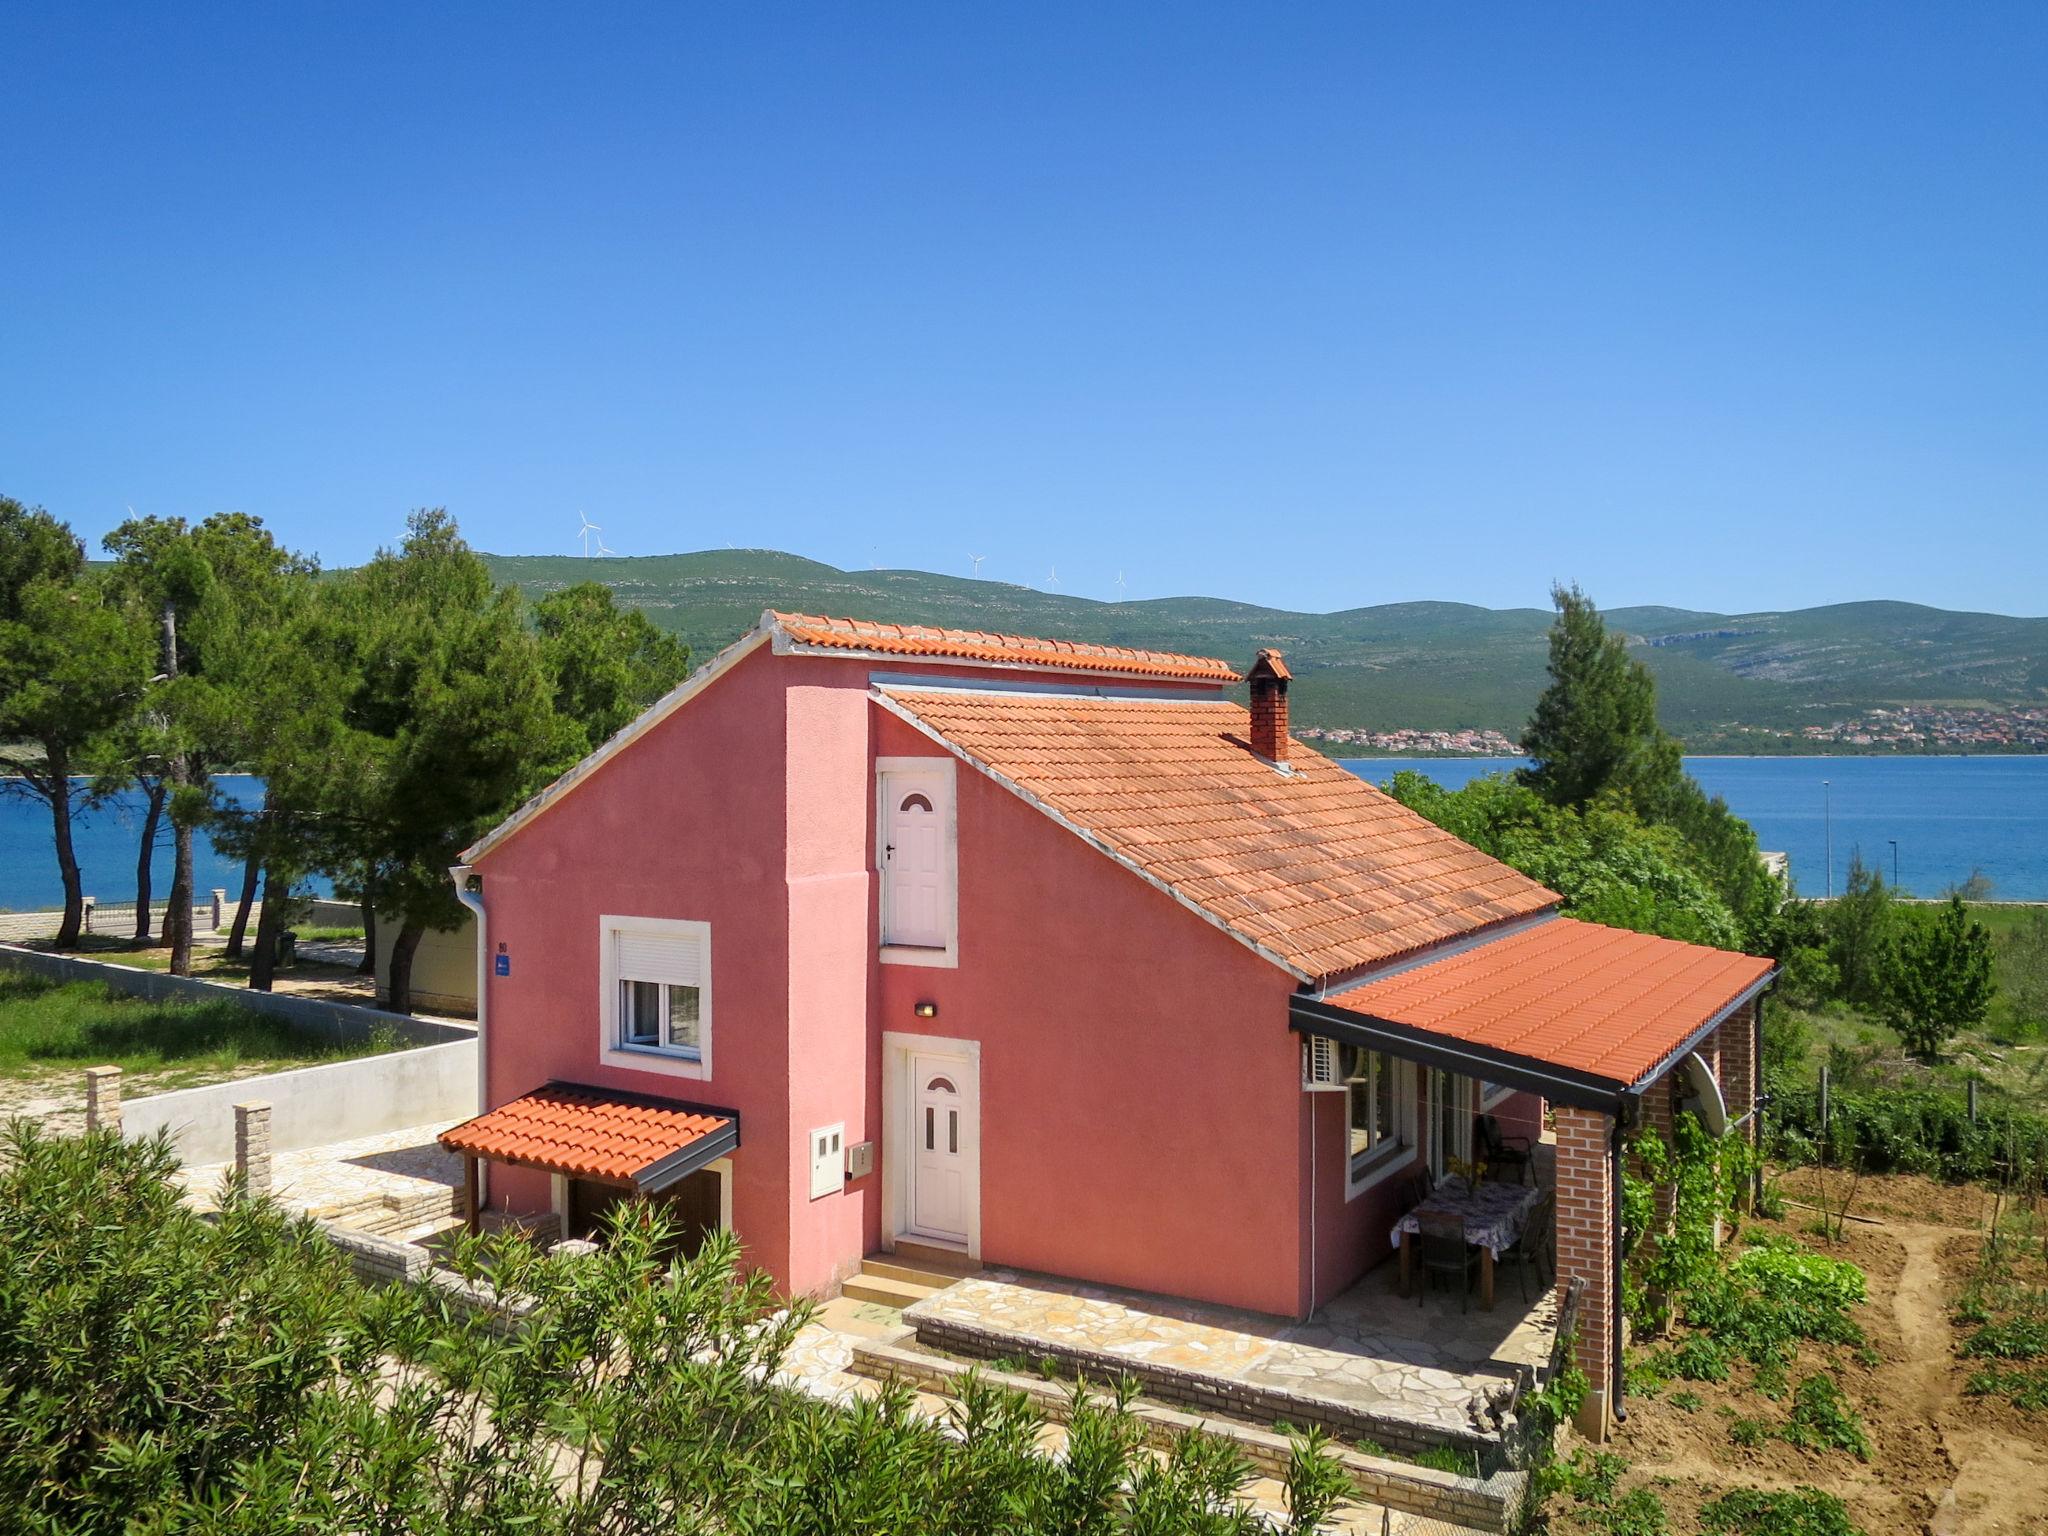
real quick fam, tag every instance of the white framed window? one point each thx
(1379, 1124)
(1451, 1101)
(917, 860)
(654, 1004)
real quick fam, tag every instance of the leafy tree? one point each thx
(1609, 865)
(1937, 978)
(70, 666)
(606, 663)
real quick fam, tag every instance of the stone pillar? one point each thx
(220, 901)
(252, 1145)
(1585, 1251)
(103, 1099)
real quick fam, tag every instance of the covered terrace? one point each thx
(1613, 1029)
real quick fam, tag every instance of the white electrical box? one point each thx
(860, 1159)
(828, 1159)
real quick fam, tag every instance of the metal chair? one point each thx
(1445, 1252)
(1537, 1244)
(1500, 1151)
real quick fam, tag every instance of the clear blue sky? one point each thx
(1715, 305)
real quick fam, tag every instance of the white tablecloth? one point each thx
(1494, 1213)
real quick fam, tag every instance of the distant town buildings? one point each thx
(1926, 727)
(1467, 743)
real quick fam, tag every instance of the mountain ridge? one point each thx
(1428, 664)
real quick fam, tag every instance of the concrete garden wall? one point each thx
(311, 1106)
(341, 1023)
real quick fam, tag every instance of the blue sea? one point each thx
(1941, 817)
(1947, 816)
(107, 839)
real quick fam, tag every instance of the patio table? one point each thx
(1493, 1213)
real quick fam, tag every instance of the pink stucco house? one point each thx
(1054, 956)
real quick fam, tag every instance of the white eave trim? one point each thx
(639, 726)
(1093, 840)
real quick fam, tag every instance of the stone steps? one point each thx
(907, 1276)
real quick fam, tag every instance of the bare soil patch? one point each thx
(1941, 1463)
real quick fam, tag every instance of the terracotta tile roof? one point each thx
(596, 1133)
(1315, 868)
(989, 646)
(1596, 1000)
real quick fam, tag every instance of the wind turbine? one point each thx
(977, 559)
(1052, 580)
(586, 531)
(605, 549)
(1119, 586)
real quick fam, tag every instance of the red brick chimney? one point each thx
(1269, 677)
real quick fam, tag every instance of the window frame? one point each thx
(944, 956)
(1393, 1150)
(613, 1049)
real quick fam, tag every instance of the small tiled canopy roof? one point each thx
(806, 629)
(600, 1134)
(1602, 1003)
(1313, 867)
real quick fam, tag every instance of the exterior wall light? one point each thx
(925, 1010)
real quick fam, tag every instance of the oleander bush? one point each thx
(164, 1372)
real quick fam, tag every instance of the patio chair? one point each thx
(1537, 1245)
(1445, 1252)
(1499, 1151)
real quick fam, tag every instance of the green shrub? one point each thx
(160, 1372)
(2017, 1338)
(1748, 1433)
(1821, 1419)
(1688, 1400)
(1801, 1512)
(1909, 1130)
(2022, 1388)
(1639, 1513)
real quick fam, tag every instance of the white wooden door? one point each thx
(942, 1157)
(914, 860)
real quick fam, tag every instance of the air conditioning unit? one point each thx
(1319, 1071)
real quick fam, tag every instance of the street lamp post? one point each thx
(1895, 862)
(1828, 817)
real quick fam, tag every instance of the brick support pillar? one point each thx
(252, 1145)
(1585, 1251)
(1737, 1043)
(103, 1098)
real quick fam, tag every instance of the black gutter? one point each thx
(1692, 1042)
(1561, 1085)
(679, 1165)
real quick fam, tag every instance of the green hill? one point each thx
(1427, 665)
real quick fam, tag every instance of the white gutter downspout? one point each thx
(460, 874)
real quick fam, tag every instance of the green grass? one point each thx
(48, 1027)
(329, 935)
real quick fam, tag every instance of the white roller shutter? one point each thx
(659, 957)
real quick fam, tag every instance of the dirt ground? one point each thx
(1941, 1463)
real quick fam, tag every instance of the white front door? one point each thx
(942, 1156)
(914, 860)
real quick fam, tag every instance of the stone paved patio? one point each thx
(1369, 1351)
(819, 1359)
(389, 1183)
